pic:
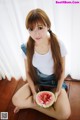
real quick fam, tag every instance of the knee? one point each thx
(65, 115)
(15, 101)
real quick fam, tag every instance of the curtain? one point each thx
(65, 24)
(11, 60)
(67, 28)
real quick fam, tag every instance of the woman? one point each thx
(45, 67)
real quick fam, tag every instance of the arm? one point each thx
(60, 82)
(31, 84)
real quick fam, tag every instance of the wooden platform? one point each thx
(8, 88)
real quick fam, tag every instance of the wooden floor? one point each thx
(7, 89)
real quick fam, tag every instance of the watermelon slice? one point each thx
(45, 99)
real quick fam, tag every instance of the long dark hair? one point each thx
(39, 16)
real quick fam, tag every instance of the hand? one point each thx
(56, 95)
(34, 97)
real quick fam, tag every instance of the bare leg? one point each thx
(23, 99)
(20, 97)
(61, 109)
(16, 109)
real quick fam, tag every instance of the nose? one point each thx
(36, 32)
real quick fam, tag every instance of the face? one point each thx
(38, 33)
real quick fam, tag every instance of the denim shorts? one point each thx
(48, 81)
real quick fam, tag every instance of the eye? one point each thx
(40, 27)
(30, 29)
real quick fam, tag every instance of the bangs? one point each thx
(33, 20)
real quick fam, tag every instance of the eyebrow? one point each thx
(40, 25)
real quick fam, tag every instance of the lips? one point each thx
(38, 38)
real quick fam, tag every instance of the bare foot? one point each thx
(16, 109)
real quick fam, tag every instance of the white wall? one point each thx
(75, 42)
(67, 28)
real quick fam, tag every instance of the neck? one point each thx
(43, 43)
